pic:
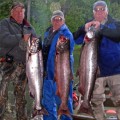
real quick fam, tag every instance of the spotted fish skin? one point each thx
(34, 72)
(63, 74)
(88, 70)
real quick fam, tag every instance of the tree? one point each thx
(77, 12)
(28, 9)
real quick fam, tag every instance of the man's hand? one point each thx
(94, 23)
(26, 37)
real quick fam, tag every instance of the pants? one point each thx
(14, 72)
(98, 97)
(51, 101)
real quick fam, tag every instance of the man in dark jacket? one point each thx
(14, 33)
(108, 57)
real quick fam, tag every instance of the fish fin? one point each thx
(63, 110)
(36, 112)
(55, 77)
(44, 111)
(71, 76)
(31, 95)
(57, 93)
(85, 107)
(81, 90)
(28, 57)
(77, 73)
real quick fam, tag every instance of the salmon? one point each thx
(62, 74)
(88, 70)
(34, 72)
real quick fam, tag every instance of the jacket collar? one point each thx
(25, 22)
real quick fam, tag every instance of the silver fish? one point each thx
(34, 72)
(88, 70)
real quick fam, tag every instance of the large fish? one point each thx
(63, 74)
(34, 71)
(87, 70)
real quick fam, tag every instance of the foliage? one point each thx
(40, 16)
(76, 11)
(115, 9)
(4, 9)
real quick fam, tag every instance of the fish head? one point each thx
(90, 34)
(33, 44)
(63, 43)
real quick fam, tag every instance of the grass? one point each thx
(76, 55)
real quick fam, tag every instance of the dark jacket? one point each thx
(109, 47)
(11, 41)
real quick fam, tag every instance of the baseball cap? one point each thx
(17, 4)
(99, 3)
(58, 13)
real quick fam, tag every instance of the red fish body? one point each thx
(63, 73)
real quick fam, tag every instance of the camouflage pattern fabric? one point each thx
(13, 72)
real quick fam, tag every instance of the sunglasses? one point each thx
(57, 19)
(99, 9)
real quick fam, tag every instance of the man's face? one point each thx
(18, 14)
(57, 22)
(100, 13)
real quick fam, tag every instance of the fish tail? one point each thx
(58, 93)
(63, 110)
(85, 107)
(42, 111)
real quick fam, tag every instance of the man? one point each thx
(108, 57)
(53, 33)
(14, 33)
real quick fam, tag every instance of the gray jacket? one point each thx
(11, 41)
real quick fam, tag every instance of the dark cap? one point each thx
(17, 4)
(99, 3)
(58, 13)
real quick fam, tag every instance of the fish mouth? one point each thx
(62, 46)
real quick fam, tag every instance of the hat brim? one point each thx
(56, 16)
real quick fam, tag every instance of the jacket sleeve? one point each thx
(112, 34)
(7, 39)
(79, 35)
